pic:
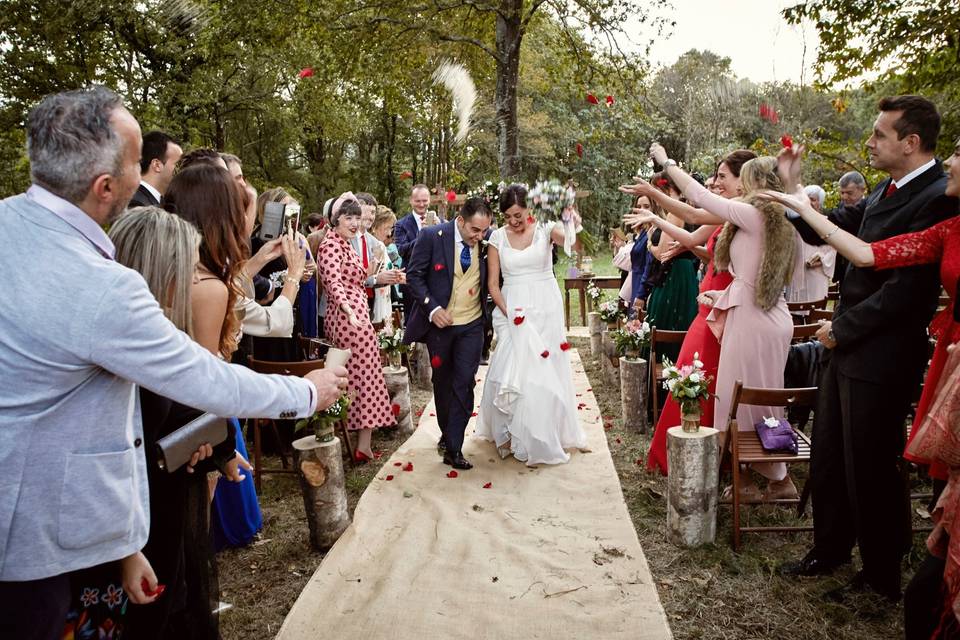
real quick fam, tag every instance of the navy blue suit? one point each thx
(405, 236)
(456, 350)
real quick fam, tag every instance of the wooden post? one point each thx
(633, 396)
(320, 467)
(596, 328)
(694, 462)
(398, 386)
(611, 374)
(420, 371)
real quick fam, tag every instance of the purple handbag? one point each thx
(777, 436)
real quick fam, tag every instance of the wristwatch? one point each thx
(669, 163)
(832, 338)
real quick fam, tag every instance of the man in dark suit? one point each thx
(447, 278)
(853, 189)
(876, 349)
(157, 161)
(405, 236)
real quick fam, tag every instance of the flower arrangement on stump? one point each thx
(688, 385)
(610, 312)
(323, 422)
(632, 338)
(594, 295)
(391, 343)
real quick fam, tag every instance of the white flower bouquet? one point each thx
(688, 385)
(552, 200)
(632, 338)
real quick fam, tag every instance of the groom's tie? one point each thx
(465, 257)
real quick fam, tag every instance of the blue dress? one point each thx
(307, 301)
(640, 258)
(235, 517)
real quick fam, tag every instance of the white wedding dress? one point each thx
(528, 406)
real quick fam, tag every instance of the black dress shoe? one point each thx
(859, 588)
(811, 565)
(457, 461)
(442, 447)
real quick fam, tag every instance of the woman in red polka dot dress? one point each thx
(348, 324)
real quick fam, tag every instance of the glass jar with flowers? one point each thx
(688, 385)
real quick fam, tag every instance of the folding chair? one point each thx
(800, 310)
(816, 315)
(804, 332)
(658, 336)
(744, 447)
(289, 369)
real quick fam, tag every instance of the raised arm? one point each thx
(690, 240)
(680, 209)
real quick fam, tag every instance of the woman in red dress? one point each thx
(938, 244)
(699, 340)
(348, 324)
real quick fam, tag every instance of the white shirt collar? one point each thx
(75, 217)
(416, 218)
(149, 187)
(902, 182)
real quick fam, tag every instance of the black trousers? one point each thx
(34, 609)
(458, 349)
(858, 493)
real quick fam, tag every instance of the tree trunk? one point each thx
(398, 386)
(509, 36)
(694, 463)
(633, 396)
(320, 467)
(420, 371)
(596, 329)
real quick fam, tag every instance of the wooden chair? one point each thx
(800, 310)
(804, 332)
(656, 366)
(744, 447)
(816, 315)
(288, 369)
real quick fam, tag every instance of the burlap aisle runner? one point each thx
(542, 553)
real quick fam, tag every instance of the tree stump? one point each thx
(633, 393)
(596, 328)
(398, 386)
(420, 371)
(608, 356)
(320, 467)
(694, 461)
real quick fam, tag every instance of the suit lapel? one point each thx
(449, 243)
(880, 205)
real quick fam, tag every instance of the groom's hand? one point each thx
(442, 318)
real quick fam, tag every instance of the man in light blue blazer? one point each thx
(80, 333)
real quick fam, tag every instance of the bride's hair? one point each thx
(514, 194)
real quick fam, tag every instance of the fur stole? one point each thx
(779, 247)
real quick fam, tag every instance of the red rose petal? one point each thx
(438, 267)
(545, 354)
(609, 100)
(420, 413)
(489, 485)
(388, 478)
(435, 362)
(377, 455)
(451, 196)
(565, 346)
(408, 466)
(452, 474)
(473, 415)
(592, 99)
(518, 320)
(579, 150)
(433, 415)
(395, 409)
(786, 140)
(590, 389)
(618, 441)
(530, 220)
(306, 72)
(398, 464)
(406, 175)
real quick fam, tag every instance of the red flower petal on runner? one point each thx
(451, 196)
(489, 485)
(419, 413)
(518, 320)
(306, 72)
(590, 389)
(565, 346)
(592, 99)
(388, 478)
(579, 150)
(473, 415)
(398, 464)
(395, 410)
(545, 354)
(438, 267)
(435, 362)
(452, 474)
(408, 466)
(786, 141)
(609, 100)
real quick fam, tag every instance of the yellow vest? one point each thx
(465, 298)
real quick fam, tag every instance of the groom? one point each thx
(447, 279)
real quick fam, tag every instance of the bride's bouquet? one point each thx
(552, 200)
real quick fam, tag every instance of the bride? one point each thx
(528, 406)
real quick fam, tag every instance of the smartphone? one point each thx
(274, 221)
(291, 218)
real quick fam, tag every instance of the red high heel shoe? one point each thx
(360, 457)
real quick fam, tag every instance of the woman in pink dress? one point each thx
(348, 325)
(749, 318)
(699, 340)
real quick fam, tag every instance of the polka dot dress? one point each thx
(342, 275)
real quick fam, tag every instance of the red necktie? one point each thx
(890, 189)
(366, 262)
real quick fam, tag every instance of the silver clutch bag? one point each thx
(174, 449)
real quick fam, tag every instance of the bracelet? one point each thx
(292, 280)
(835, 229)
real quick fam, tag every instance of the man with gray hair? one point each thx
(73, 481)
(852, 188)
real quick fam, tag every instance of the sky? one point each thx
(752, 33)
